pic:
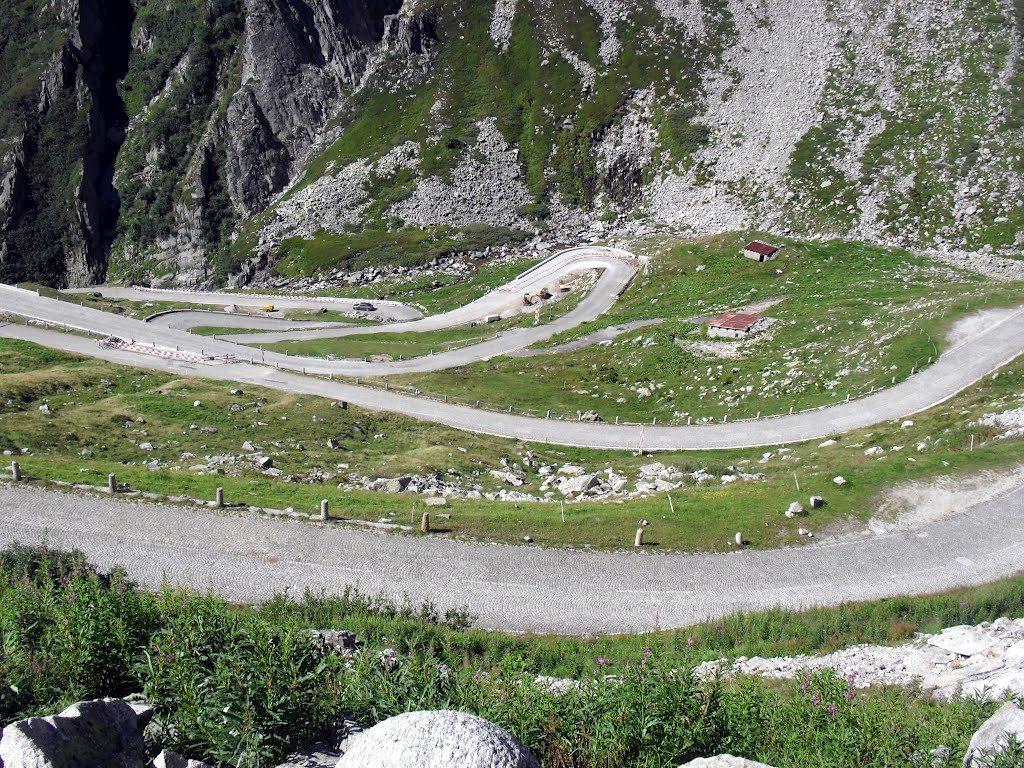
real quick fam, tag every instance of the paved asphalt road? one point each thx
(514, 588)
(971, 359)
(391, 310)
(209, 318)
(618, 270)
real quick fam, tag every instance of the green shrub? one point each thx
(244, 686)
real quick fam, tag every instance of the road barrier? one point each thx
(270, 296)
(166, 353)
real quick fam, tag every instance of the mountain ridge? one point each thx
(257, 131)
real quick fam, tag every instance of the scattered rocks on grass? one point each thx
(986, 660)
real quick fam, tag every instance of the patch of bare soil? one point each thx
(910, 506)
(967, 328)
(762, 304)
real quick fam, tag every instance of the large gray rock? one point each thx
(579, 484)
(723, 761)
(441, 739)
(105, 733)
(993, 734)
(964, 640)
(396, 484)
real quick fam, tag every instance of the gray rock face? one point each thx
(90, 734)
(299, 61)
(257, 163)
(992, 736)
(437, 740)
(723, 761)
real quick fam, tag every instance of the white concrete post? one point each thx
(16, 471)
(220, 497)
(325, 507)
(639, 540)
(425, 523)
(112, 482)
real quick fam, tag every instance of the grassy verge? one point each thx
(852, 318)
(399, 345)
(72, 633)
(139, 425)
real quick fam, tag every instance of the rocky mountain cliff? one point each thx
(197, 140)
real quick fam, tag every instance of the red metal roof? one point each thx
(763, 248)
(736, 321)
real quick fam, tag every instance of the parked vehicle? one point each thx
(364, 306)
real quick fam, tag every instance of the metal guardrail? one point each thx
(267, 296)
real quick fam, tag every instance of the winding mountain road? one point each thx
(618, 269)
(980, 349)
(516, 588)
(513, 588)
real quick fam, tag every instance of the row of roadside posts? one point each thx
(325, 505)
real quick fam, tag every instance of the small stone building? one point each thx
(733, 325)
(759, 251)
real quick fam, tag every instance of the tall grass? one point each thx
(238, 686)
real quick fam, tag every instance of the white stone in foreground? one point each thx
(992, 736)
(440, 739)
(89, 734)
(723, 761)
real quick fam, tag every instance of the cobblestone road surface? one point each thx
(514, 588)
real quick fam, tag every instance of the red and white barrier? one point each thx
(148, 349)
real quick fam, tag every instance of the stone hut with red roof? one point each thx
(733, 325)
(759, 251)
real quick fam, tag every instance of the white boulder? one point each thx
(89, 734)
(993, 734)
(964, 640)
(579, 484)
(438, 739)
(723, 761)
